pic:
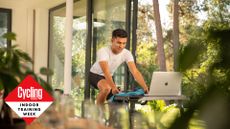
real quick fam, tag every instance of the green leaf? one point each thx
(189, 55)
(1, 85)
(22, 55)
(9, 82)
(9, 36)
(46, 71)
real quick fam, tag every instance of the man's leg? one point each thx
(104, 90)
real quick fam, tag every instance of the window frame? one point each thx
(9, 22)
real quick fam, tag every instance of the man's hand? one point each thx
(138, 76)
(146, 90)
(115, 90)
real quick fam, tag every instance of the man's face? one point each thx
(118, 44)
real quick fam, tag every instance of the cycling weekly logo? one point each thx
(29, 100)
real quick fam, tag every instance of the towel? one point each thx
(135, 93)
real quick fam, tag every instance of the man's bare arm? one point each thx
(137, 75)
(105, 68)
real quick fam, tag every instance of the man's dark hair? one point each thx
(119, 33)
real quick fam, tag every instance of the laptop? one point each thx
(164, 84)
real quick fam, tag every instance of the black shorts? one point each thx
(94, 79)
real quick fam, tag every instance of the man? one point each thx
(108, 60)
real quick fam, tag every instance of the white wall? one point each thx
(20, 27)
(19, 22)
(41, 39)
(30, 23)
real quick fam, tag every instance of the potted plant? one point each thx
(14, 67)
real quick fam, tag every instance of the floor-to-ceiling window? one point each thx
(56, 49)
(146, 45)
(5, 25)
(107, 16)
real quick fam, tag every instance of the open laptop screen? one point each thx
(165, 83)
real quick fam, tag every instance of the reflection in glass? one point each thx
(57, 54)
(111, 15)
(107, 15)
(119, 116)
(5, 15)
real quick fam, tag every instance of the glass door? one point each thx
(107, 16)
(57, 50)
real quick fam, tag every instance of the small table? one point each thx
(164, 97)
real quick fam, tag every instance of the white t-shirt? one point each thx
(114, 60)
